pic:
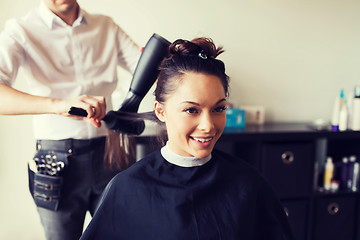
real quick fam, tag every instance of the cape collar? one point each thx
(182, 161)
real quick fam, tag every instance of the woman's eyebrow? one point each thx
(221, 100)
(197, 104)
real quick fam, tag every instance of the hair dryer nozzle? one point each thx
(124, 122)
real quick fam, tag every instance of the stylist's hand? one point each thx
(95, 106)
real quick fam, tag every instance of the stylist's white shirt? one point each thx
(64, 61)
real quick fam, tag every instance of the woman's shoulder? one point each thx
(240, 170)
(140, 168)
(234, 162)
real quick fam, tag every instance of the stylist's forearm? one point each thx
(14, 102)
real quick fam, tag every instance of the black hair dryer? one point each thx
(146, 72)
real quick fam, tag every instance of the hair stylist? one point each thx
(70, 59)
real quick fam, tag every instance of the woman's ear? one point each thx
(159, 111)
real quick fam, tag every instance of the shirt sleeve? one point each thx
(128, 51)
(11, 53)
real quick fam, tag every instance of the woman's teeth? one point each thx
(203, 140)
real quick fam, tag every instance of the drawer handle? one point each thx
(287, 157)
(333, 208)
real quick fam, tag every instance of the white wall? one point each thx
(290, 56)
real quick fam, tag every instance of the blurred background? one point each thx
(292, 57)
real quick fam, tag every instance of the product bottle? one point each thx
(343, 116)
(355, 180)
(329, 171)
(355, 123)
(336, 111)
(344, 173)
(350, 175)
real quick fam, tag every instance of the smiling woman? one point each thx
(191, 97)
(188, 190)
(194, 122)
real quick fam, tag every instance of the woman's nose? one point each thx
(206, 122)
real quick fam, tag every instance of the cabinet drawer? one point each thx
(297, 212)
(358, 220)
(334, 218)
(289, 167)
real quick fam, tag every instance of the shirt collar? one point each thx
(182, 161)
(52, 21)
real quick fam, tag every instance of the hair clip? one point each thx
(202, 55)
(177, 47)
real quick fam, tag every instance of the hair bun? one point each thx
(202, 47)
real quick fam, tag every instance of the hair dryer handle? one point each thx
(146, 72)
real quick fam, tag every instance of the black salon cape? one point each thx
(223, 199)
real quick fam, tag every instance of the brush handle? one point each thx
(78, 112)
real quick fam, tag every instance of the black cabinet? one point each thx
(334, 217)
(357, 223)
(288, 166)
(298, 213)
(291, 156)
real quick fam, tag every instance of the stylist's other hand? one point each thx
(95, 106)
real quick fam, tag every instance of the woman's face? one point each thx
(194, 114)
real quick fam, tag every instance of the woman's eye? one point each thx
(220, 109)
(191, 110)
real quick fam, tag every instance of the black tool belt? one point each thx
(51, 160)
